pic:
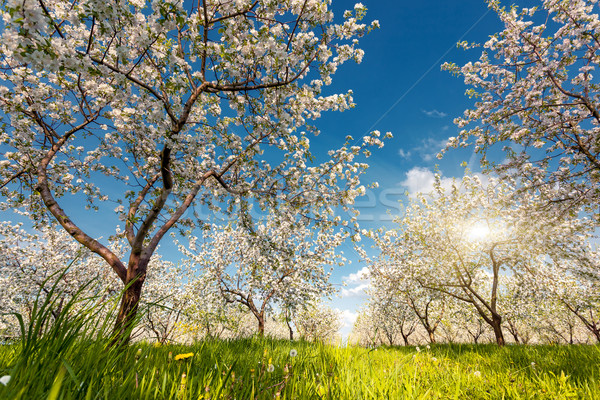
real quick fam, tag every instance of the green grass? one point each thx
(240, 370)
(71, 359)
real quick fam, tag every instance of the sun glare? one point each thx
(478, 231)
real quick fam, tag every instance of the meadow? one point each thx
(70, 355)
(257, 368)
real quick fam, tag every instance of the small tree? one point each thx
(392, 315)
(279, 261)
(364, 332)
(523, 304)
(165, 302)
(575, 293)
(317, 322)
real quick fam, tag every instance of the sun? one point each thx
(478, 231)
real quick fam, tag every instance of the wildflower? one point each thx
(183, 356)
(170, 356)
(533, 364)
(138, 354)
(293, 353)
(270, 368)
(417, 349)
(477, 374)
(157, 344)
(433, 359)
(428, 347)
(5, 379)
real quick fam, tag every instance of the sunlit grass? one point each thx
(68, 359)
(264, 369)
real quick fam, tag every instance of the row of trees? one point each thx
(558, 310)
(486, 245)
(177, 305)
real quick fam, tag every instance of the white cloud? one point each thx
(348, 318)
(359, 282)
(430, 147)
(357, 291)
(361, 275)
(434, 113)
(421, 180)
(403, 153)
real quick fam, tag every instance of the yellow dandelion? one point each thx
(183, 356)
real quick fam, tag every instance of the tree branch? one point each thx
(44, 188)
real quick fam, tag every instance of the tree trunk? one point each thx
(261, 325)
(596, 333)
(287, 321)
(260, 318)
(136, 275)
(513, 331)
(405, 338)
(431, 336)
(497, 327)
(571, 334)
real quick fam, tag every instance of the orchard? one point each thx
(183, 204)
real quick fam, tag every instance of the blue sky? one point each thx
(399, 87)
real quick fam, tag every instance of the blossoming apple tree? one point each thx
(391, 316)
(316, 321)
(408, 300)
(538, 99)
(574, 292)
(461, 242)
(279, 259)
(163, 107)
